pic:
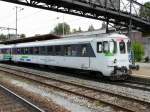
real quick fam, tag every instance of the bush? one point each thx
(138, 51)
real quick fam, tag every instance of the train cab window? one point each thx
(113, 46)
(36, 50)
(105, 46)
(49, 50)
(68, 51)
(58, 50)
(43, 50)
(99, 47)
(84, 51)
(122, 47)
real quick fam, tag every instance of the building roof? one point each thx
(32, 39)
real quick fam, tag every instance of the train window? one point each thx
(129, 46)
(18, 51)
(105, 46)
(22, 50)
(14, 51)
(49, 50)
(26, 50)
(6, 51)
(99, 47)
(30, 50)
(3, 51)
(58, 50)
(36, 50)
(74, 50)
(43, 50)
(68, 50)
(84, 51)
(122, 47)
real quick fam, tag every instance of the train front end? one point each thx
(122, 60)
(116, 52)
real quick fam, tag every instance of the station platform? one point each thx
(144, 70)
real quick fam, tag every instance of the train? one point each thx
(106, 56)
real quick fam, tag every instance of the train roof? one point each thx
(69, 40)
(63, 41)
(6, 46)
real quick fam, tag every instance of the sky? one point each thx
(32, 21)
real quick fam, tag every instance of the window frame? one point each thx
(98, 43)
(35, 52)
(59, 52)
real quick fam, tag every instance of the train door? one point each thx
(123, 56)
(84, 56)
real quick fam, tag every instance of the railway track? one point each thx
(134, 85)
(124, 103)
(11, 102)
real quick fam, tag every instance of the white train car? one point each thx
(5, 52)
(108, 55)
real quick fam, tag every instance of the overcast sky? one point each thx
(33, 21)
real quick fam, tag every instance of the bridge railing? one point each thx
(125, 6)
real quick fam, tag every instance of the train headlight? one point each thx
(115, 60)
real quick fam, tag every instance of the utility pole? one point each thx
(130, 22)
(16, 20)
(63, 25)
(16, 9)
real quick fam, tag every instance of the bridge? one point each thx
(127, 13)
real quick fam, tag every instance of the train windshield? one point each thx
(113, 47)
(122, 47)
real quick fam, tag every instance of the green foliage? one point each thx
(74, 30)
(79, 30)
(145, 12)
(61, 28)
(3, 37)
(22, 36)
(138, 50)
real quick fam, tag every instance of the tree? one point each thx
(103, 25)
(145, 11)
(3, 37)
(74, 30)
(61, 28)
(138, 51)
(22, 36)
(79, 30)
(91, 28)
